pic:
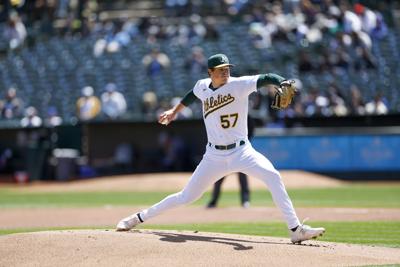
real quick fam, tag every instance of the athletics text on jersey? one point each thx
(225, 109)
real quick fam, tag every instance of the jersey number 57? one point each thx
(229, 120)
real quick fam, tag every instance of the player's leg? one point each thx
(206, 173)
(244, 190)
(262, 168)
(215, 193)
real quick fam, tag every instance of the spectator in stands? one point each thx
(187, 34)
(196, 62)
(351, 21)
(381, 30)
(234, 6)
(298, 109)
(377, 106)
(155, 62)
(361, 39)
(357, 106)
(199, 30)
(368, 17)
(176, 8)
(149, 105)
(179, 34)
(121, 35)
(305, 64)
(310, 107)
(144, 24)
(113, 36)
(334, 91)
(155, 32)
(260, 35)
(325, 61)
(52, 119)
(12, 106)
(15, 31)
(62, 9)
(333, 18)
(343, 29)
(339, 107)
(212, 33)
(323, 106)
(364, 59)
(342, 60)
(31, 119)
(317, 104)
(99, 47)
(113, 102)
(88, 105)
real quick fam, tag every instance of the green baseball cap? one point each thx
(218, 61)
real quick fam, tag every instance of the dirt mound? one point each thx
(172, 248)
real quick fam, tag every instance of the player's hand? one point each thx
(166, 117)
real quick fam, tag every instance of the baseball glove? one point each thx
(284, 95)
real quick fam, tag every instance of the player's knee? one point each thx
(185, 198)
(273, 175)
(276, 175)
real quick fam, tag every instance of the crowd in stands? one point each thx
(340, 33)
(12, 107)
(111, 105)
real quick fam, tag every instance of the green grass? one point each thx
(367, 233)
(78, 199)
(371, 233)
(346, 196)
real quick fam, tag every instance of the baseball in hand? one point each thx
(164, 121)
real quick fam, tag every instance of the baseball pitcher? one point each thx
(225, 110)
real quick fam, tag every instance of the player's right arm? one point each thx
(167, 116)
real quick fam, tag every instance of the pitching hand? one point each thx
(167, 116)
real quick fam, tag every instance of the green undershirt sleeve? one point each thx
(188, 99)
(264, 79)
(269, 78)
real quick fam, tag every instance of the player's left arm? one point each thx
(285, 90)
(269, 78)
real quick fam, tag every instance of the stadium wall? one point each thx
(353, 153)
(346, 152)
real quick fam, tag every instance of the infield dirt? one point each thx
(172, 248)
(169, 182)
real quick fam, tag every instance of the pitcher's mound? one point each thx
(174, 248)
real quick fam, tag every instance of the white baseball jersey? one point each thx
(225, 109)
(225, 116)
